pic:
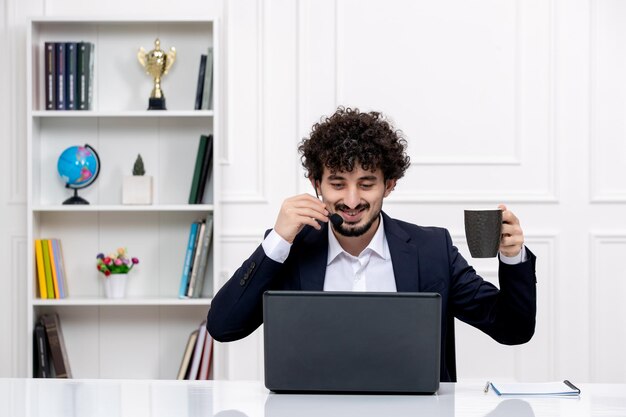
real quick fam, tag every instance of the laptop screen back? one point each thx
(352, 342)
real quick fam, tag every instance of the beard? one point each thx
(358, 231)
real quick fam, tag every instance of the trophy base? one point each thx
(156, 104)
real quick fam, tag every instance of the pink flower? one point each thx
(107, 260)
(118, 262)
(135, 260)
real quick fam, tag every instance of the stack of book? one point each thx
(51, 275)
(68, 75)
(196, 258)
(202, 170)
(198, 355)
(51, 359)
(204, 90)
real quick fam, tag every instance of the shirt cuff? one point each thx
(514, 260)
(276, 248)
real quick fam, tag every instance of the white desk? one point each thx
(130, 398)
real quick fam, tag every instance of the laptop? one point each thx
(352, 342)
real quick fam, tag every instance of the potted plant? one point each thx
(137, 188)
(115, 268)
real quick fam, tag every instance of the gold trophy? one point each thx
(157, 63)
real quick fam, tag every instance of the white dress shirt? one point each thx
(372, 270)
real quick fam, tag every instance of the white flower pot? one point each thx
(115, 285)
(137, 189)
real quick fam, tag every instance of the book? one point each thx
(53, 269)
(59, 267)
(184, 280)
(41, 352)
(196, 259)
(184, 364)
(47, 269)
(204, 258)
(63, 269)
(200, 85)
(202, 144)
(84, 72)
(71, 55)
(60, 360)
(207, 356)
(197, 352)
(60, 76)
(41, 272)
(207, 90)
(50, 75)
(560, 388)
(207, 168)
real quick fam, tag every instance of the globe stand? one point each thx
(76, 199)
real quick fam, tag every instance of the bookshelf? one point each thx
(143, 335)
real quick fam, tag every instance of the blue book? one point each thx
(56, 252)
(191, 243)
(71, 82)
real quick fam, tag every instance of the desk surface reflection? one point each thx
(137, 398)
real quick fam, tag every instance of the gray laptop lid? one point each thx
(352, 342)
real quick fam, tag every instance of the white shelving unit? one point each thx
(143, 335)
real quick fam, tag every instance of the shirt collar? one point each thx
(377, 245)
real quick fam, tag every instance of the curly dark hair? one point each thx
(350, 136)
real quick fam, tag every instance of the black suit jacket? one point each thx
(424, 260)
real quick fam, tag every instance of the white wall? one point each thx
(518, 101)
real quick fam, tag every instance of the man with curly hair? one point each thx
(354, 160)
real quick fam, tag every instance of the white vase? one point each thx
(137, 189)
(115, 286)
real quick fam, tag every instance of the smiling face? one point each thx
(357, 196)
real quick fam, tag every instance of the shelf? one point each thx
(124, 208)
(121, 114)
(98, 331)
(130, 302)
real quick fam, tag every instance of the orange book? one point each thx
(41, 272)
(53, 270)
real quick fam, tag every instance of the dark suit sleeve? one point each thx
(507, 314)
(237, 308)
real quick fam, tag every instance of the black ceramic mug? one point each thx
(483, 229)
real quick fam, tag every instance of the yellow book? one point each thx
(46, 267)
(41, 273)
(53, 270)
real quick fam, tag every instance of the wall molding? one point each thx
(542, 194)
(258, 196)
(596, 240)
(596, 193)
(17, 288)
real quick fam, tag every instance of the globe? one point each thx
(79, 167)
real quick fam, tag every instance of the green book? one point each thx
(47, 268)
(197, 171)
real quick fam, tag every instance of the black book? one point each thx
(200, 87)
(60, 76)
(207, 168)
(84, 72)
(50, 74)
(41, 352)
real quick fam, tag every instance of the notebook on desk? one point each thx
(350, 342)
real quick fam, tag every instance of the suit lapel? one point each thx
(312, 263)
(404, 256)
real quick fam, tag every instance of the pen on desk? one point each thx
(486, 387)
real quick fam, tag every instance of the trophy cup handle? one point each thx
(141, 56)
(171, 57)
